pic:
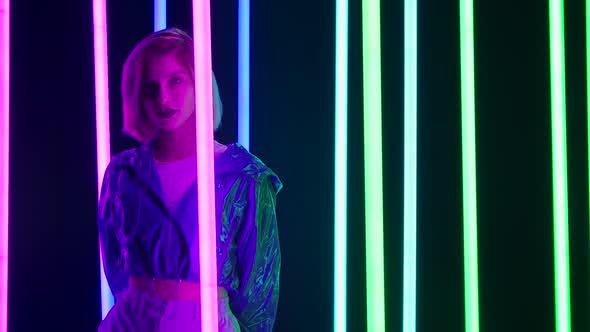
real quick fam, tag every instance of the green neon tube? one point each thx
(410, 162)
(373, 165)
(469, 167)
(340, 167)
(560, 198)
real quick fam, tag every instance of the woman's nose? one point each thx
(163, 97)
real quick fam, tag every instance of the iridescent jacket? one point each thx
(140, 236)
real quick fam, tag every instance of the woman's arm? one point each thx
(259, 259)
(110, 214)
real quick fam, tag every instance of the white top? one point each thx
(176, 177)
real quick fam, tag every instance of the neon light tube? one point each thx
(244, 73)
(469, 167)
(410, 162)
(559, 144)
(159, 15)
(205, 173)
(588, 87)
(340, 165)
(103, 148)
(4, 146)
(373, 165)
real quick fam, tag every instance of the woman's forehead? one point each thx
(165, 65)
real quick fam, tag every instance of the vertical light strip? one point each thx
(410, 162)
(4, 146)
(469, 167)
(244, 73)
(340, 165)
(588, 89)
(103, 149)
(559, 144)
(159, 15)
(205, 163)
(373, 165)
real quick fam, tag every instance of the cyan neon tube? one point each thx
(103, 148)
(205, 170)
(340, 165)
(410, 162)
(559, 145)
(469, 167)
(373, 165)
(4, 146)
(244, 73)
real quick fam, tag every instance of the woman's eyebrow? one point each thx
(177, 72)
(150, 81)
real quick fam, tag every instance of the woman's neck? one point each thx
(176, 144)
(180, 143)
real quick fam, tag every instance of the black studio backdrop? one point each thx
(54, 271)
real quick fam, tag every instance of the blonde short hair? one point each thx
(135, 121)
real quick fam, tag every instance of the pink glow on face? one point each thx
(167, 88)
(103, 150)
(4, 144)
(205, 173)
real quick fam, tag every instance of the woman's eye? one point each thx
(176, 80)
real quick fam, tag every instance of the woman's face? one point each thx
(167, 93)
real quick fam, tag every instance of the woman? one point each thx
(147, 213)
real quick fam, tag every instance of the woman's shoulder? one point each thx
(125, 160)
(241, 162)
(116, 175)
(130, 156)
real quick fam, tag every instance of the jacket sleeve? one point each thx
(110, 218)
(259, 258)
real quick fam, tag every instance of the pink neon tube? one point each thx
(103, 150)
(4, 137)
(205, 173)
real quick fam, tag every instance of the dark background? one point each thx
(54, 268)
